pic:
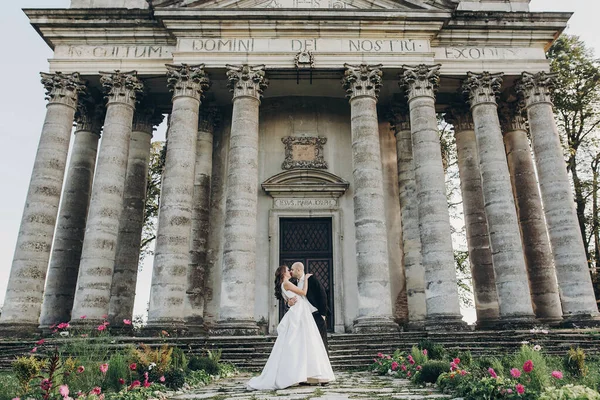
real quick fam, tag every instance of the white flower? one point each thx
(64, 333)
(152, 365)
(524, 342)
(545, 331)
(537, 347)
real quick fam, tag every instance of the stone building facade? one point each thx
(299, 130)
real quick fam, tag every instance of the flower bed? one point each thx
(527, 374)
(83, 368)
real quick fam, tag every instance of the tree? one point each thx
(156, 166)
(577, 100)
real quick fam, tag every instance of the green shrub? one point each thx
(465, 357)
(118, 369)
(418, 356)
(226, 370)
(204, 364)
(431, 370)
(26, 369)
(174, 378)
(198, 378)
(574, 362)
(486, 362)
(435, 351)
(179, 359)
(9, 386)
(540, 375)
(569, 392)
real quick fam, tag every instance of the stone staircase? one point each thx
(347, 351)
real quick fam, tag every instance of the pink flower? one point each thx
(97, 390)
(418, 368)
(63, 390)
(127, 321)
(424, 352)
(147, 384)
(492, 372)
(63, 325)
(452, 366)
(388, 357)
(84, 335)
(515, 373)
(101, 327)
(403, 367)
(52, 326)
(103, 368)
(83, 317)
(34, 350)
(509, 391)
(528, 366)
(105, 323)
(134, 384)
(408, 374)
(121, 381)
(40, 342)
(380, 355)
(520, 388)
(45, 384)
(104, 316)
(80, 369)
(162, 378)
(133, 366)
(411, 360)
(16, 398)
(463, 372)
(394, 366)
(557, 374)
(456, 361)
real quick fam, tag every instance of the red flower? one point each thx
(515, 373)
(63, 325)
(133, 366)
(411, 360)
(147, 384)
(528, 366)
(97, 390)
(424, 352)
(492, 372)
(80, 369)
(520, 388)
(463, 372)
(380, 355)
(121, 381)
(408, 374)
(34, 350)
(83, 317)
(394, 366)
(40, 342)
(456, 361)
(419, 367)
(104, 316)
(557, 374)
(403, 367)
(134, 384)
(101, 327)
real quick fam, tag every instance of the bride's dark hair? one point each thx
(278, 280)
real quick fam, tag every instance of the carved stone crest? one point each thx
(304, 152)
(304, 59)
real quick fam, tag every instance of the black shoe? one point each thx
(324, 383)
(304, 384)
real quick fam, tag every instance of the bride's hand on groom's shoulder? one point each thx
(307, 276)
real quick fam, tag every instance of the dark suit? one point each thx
(318, 298)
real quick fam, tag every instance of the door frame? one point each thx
(338, 265)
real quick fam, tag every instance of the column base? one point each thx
(487, 324)
(375, 325)
(551, 322)
(19, 331)
(235, 328)
(196, 326)
(515, 323)
(581, 321)
(446, 323)
(165, 328)
(415, 325)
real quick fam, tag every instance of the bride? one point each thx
(299, 353)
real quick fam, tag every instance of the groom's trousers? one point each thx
(322, 329)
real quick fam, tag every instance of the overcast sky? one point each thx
(22, 109)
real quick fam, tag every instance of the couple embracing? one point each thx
(300, 353)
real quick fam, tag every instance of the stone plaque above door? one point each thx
(304, 152)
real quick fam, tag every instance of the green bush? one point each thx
(198, 378)
(465, 357)
(569, 392)
(418, 356)
(486, 362)
(26, 369)
(179, 359)
(118, 369)
(540, 376)
(174, 378)
(435, 351)
(9, 386)
(204, 364)
(574, 362)
(431, 370)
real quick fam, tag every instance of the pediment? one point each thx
(305, 181)
(398, 5)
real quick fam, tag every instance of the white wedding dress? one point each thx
(298, 354)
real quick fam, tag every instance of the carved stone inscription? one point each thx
(125, 51)
(304, 152)
(305, 203)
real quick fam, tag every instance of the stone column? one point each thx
(70, 230)
(194, 312)
(510, 271)
(92, 296)
(441, 291)
(172, 252)
(536, 244)
(127, 260)
(478, 239)
(362, 83)
(25, 289)
(409, 213)
(236, 316)
(572, 272)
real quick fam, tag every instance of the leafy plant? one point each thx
(431, 370)
(174, 378)
(569, 392)
(159, 358)
(204, 364)
(26, 369)
(574, 362)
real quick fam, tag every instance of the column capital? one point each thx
(482, 88)
(187, 80)
(362, 80)
(535, 88)
(247, 80)
(399, 117)
(512, 117)
(208, 119)
(63, 88)
(146, 117)
(122, 87)
(89, 114)
(421, 80)
(460, 116)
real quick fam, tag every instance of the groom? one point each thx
(316, 296)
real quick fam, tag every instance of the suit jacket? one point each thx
(317, 296)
